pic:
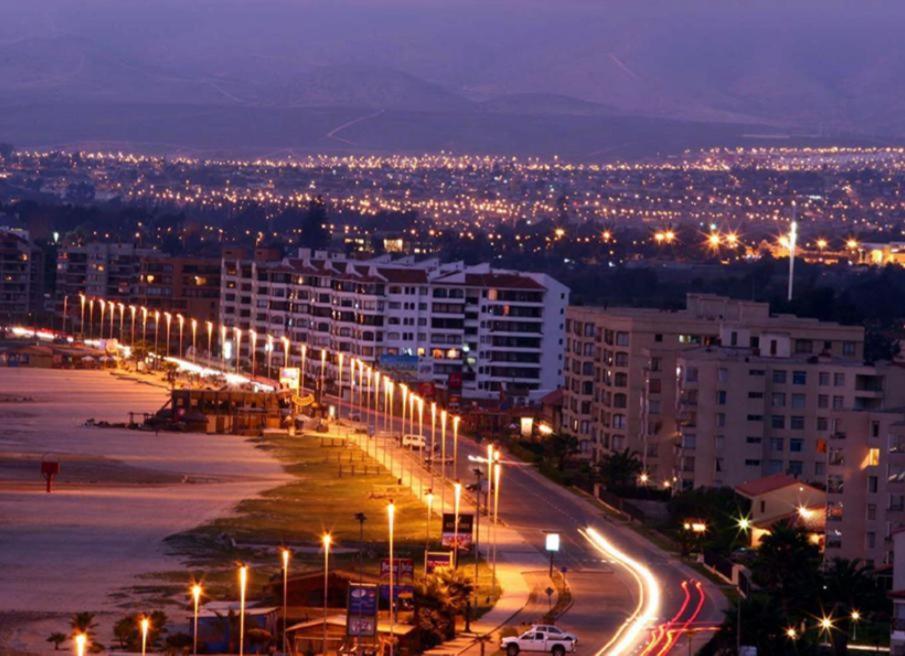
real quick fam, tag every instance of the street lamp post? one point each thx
(285, 341)
(132, 310)
(243, 584)
(237, 335)
(122, 320)
(322, 374)
(253, 336)
(497, 467)
(339, 385)
(82, 315)
(168, 318)
(181, 320)
(304, 349)
(196, 599)
(443, 460)
(285, 555)
(157, 333)
(427, 521)
(194, 340)
(268, 348)
(455, 422)
(210, 339)
(223, 346)
(457, 492)
(391, 513)
(145, 625)
(144, 326)
(81, 640)
(326, 540)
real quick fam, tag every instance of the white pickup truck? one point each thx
(535, 640)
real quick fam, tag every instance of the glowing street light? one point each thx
(826, 625)
(253, 336)
(82, 301)
(144, 326)
(81, 642)
(497, 469)
(268, 348)
(455, 423)
(304, 349)
(339, 385)
(714, 241)
(326, 541)
(323, 372)
(457, 497)
(145, 624)
(181, 320)
(157, 332)
(391, 518)
(855, 617)
(744, 524)
(429, 498)
(210, 338)
(196, 601)
(223, 346)
(791, 633)
(285, 555)
(132, 311)
(243, 585)
(821, 243)
(285, 341)
(194, 340)
(237, 334)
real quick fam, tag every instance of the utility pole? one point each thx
(477, 540)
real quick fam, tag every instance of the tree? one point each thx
(439, 597)
(258, 638)
(56, 639)
(787, 564)
(763, 625)
(127, 630)
(849, 585)
(620, 469)
(315, 233)
(83, 622)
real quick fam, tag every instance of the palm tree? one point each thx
(83, 622)
(56, 639)
(763, 625)
(787, 564)
(849, 585)
(620, 469)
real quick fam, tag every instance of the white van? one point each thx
(412, 441)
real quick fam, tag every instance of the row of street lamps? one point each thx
(366, 381)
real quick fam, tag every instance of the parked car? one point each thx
(533, 640)
(412, 441)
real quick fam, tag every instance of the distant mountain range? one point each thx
(589, 79)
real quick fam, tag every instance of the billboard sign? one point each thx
(435, 559)
(289, 377)
(361, 617)
(464, 534)
(403, 579)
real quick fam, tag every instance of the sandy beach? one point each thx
(119, 494)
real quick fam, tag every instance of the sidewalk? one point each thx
(515, 557)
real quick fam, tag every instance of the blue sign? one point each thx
(399, 361)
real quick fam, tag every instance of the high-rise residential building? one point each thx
(21, 276)
(827, 420)
(620, 366)
(479, 332)
(184, 284)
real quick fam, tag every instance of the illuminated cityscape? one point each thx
(392, 328)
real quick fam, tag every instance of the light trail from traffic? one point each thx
(663, 628)
(631, 634)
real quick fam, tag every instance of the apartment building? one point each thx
(480, 333)
(102, 269)
(827, 420)
(620, 366)
(21, 276)
(186, 285)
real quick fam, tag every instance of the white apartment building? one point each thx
(479, 332)
(830, 421)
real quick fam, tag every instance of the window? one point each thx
(755, 417)
(691, 375)
(872, 484)
(756, 372)
(777, 421)
(777, 443)
(722, 374)
(720, 397)
(622, 338)
(796, 444)
(871, 511)
(798, 401)
(778, 400)
(755, 395)
(848, 349)
(822, 423)
(720, 419)
(774, 466)
(873, 457)
(838, 402)
(753, 440)
(823, 401)
(838, 380)
(824, 378)
(796, 467)
(779, 376)
(752, 462)
(799, 378)
(654, 386)
(658, 337)
(796, 422)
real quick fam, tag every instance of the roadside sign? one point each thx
(361, 616)
(435, 559)
(466, 529)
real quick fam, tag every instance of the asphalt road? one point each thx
(606, 592)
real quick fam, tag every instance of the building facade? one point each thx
(620, 367)
(21, 276)
(480, 333)
(827, 420)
